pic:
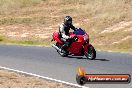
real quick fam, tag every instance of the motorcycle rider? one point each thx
(64, 31)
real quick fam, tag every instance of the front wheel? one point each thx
(91, 53)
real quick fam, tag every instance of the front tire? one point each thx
(91, 53)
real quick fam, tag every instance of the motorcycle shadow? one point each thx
(76, 57)
(81, 57)
(102, 59)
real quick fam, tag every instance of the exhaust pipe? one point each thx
(54, 46)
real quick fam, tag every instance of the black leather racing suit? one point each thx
(63, 34)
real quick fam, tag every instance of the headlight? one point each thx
(85, 37)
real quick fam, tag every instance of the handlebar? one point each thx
(73, 39)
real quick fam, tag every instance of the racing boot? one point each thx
(64, 48)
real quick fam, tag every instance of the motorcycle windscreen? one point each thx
(79, 32)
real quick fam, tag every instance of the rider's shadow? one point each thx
(80, 57)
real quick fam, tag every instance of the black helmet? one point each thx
(68, 20)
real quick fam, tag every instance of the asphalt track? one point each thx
(45, 61)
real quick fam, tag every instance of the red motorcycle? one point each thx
(80, 45)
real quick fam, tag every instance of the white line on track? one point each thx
(43, 77)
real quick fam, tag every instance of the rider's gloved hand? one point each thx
(75, 38)
(75, 29)
(69, 39)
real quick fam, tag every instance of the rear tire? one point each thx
(91, 53)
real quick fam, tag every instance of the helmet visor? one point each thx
(69, 22)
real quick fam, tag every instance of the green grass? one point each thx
(3, 38)
(120, 48)
(32, 42)
(7, 40)
(26, 43)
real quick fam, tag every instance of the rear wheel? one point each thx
(91, 53)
